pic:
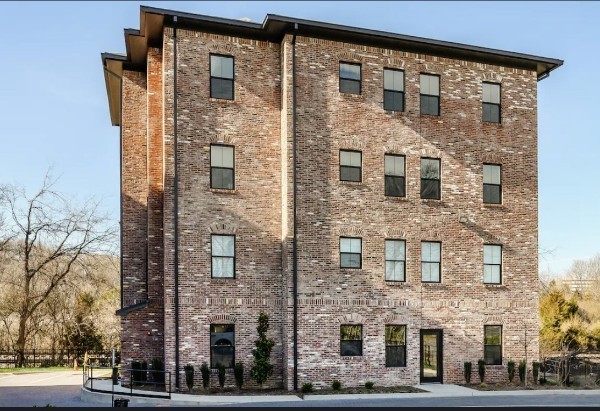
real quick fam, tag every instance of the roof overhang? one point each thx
(274, 28)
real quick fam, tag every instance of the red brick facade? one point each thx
(259, 124)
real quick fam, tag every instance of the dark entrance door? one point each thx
(431, 356)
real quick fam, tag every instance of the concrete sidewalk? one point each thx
(433, 391)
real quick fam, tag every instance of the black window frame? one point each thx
(394, 91)
(211, 346)
(386, 176)
(359, 254)
(222, 168)
(340, 78)
(500, 265)
(492, 185)
(439, 263)
(342, 341)
(352, 167)
(387, 364)
(223, 256)
(232, 79)
(499, 105)
(439, 96)
(439, 179)
(386, 261)
(486, 345)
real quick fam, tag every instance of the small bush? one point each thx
(189, 376)
(238, 372)
(205, 371)
(221, 374)
(468, 369)
(336, 385)
(511, 370)
(144, 371)
(522, 369)
(158, 366)
(369, 385)
(481, 369)
(136, 374)
(483, 385)
(536, 371)
(307, 387)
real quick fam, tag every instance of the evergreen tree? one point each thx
(262, 369)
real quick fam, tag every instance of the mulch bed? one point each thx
(278, 391)
(503, 386)
(374, 390)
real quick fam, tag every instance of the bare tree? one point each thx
(48, 236)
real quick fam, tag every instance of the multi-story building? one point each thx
(375, 194)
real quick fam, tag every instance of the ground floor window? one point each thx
(222, 345)
(351, 340)
(395, 346)
(493, 344)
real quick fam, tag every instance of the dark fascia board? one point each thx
(131, 308)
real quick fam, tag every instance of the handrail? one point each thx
(88, 381)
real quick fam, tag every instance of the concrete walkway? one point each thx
(433, 391)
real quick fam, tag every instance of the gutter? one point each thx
(295, 238)
(175, 204)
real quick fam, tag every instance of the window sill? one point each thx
(222, 100)
(351, 183)
(395, 283)
(492, 205)
(352, 95)
(395, 198)
(432, 201)
(491, 123)
(222, 279)
(441, 285)
(500, 286)
(352, 357)
(222, 191)
(394, 113)
(499, 366)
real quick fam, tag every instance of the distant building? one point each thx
(403, 169)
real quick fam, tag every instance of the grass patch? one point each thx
(26, 370)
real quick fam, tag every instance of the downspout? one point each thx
(120, 177)
(295, 237)
(175, 204)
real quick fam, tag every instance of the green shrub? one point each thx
(144, 371)
(136, 374)
(522, 369)
(238, 372)
(221, 374)
(481, 369)
(189, 376)
(205, 371)
(536, 371)
(307, 387)
(369, 385)
(158, 367)
(336, 385)
(511, 370)
(468, 369)
(262, 368)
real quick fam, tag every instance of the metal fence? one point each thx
(140, 383)
(57, 358)
(583, 369)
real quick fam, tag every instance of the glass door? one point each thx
(431, 355)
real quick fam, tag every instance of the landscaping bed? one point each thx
(364, 390)
(504, 386)
(279, 391)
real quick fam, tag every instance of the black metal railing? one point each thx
(152, 383)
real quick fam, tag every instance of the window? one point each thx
(430, 261)
(222, 345)
(430, 178)
(221, 77)
(395, 346)
(350, 78)
(493, 344)
(395, 183)
(395, 259)
(492, 184)
(430, 94)
(351, 340)
(223, 256)
(393, 90)
(221, 167)
(350, 252)
(350, 165)
(492, 264)
(491, 102)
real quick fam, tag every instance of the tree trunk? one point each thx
(21, 341)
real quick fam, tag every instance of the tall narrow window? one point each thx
(430, 94)
(431, 257)
(493, 344)
(393, 90)
(492, 264)
(430, 178)
(351, 340)
(350, 252)
(492, 183)
(350, 78)
(491, 102)
(221, 77)
(222, 173)
(395, 260)
(350, 165)
(395, 346)
(395, 183)
(222, 345)
(223, 256)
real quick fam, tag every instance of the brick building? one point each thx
(374, 193)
